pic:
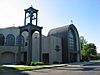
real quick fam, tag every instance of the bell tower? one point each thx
(30, 27)
(32, 14)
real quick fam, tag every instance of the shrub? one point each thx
(23, 63)
(55, 62)
(81, 60)
(37, 63)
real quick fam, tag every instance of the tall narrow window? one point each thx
(10, 40)
(2, 39)
(18, 40)
(71, 40)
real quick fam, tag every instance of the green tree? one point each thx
(92, 48)
(87, 49)
(83, 42)
(90, 51)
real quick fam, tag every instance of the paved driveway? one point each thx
(57, 71)
(66, 70)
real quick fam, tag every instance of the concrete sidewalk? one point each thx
(79, 64)
(54, 65)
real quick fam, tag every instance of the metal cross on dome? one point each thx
(71, 21)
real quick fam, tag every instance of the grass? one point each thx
(94, 60)
(22, 68)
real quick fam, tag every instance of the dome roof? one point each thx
(60, 30)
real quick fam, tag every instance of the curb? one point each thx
(46, 67)
(89, 63)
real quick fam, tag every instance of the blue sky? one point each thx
(56, 13)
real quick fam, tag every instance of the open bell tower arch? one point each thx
(32, 14)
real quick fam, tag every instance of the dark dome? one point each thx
(64, 33)
(58, 31)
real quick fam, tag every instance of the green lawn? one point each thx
(94, 60)
(2, 68)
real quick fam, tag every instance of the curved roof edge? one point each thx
(61, 29)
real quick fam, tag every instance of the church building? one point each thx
(23, 44)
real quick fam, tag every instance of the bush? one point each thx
(81, 60)
(23, 63)
(85, 58)
(37, 63)
(55, 62)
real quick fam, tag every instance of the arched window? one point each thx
(71, 40)
(2, 39)
(10, 40)
(22, 40)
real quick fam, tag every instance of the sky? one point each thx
(85, 15)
